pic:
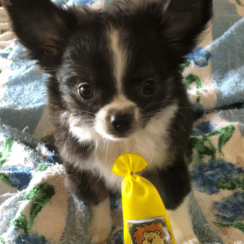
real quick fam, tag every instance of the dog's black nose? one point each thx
(121, 122)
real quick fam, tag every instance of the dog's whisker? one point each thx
(106, 154)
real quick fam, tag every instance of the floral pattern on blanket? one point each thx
(217, 170)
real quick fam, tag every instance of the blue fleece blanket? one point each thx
(35, 206)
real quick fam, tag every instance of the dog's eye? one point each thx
(149, 87)
(86, 91)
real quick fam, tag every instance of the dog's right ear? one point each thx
(42, 27)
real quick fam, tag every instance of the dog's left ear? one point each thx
(42, 27)
(182, 21)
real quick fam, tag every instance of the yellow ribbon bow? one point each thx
(144, 213)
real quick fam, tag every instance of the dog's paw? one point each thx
(100, 232)
(185, 238)
(191, 241)
(101, 222)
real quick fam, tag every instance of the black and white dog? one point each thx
(114, 88)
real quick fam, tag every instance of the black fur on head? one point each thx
(180, 22)
(45, 28)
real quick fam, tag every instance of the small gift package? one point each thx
(144, 214)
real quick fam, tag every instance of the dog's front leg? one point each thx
(182, 224)
(91, 189)
(173, 184)
(101, 222)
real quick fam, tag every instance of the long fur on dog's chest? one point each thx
(153, 143)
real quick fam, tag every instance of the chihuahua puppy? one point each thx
(115, 87)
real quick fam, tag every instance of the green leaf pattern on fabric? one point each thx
(43, 167)
(7, 145)
(227, 133)
(4, 178)
(22, 223)
(185, 65)
(40, 195)
(1, 240)
(239, 3)
(35, 209)
(9, 49)
(231, 184)
(193, 78)
(204, 145)
(238, 225)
